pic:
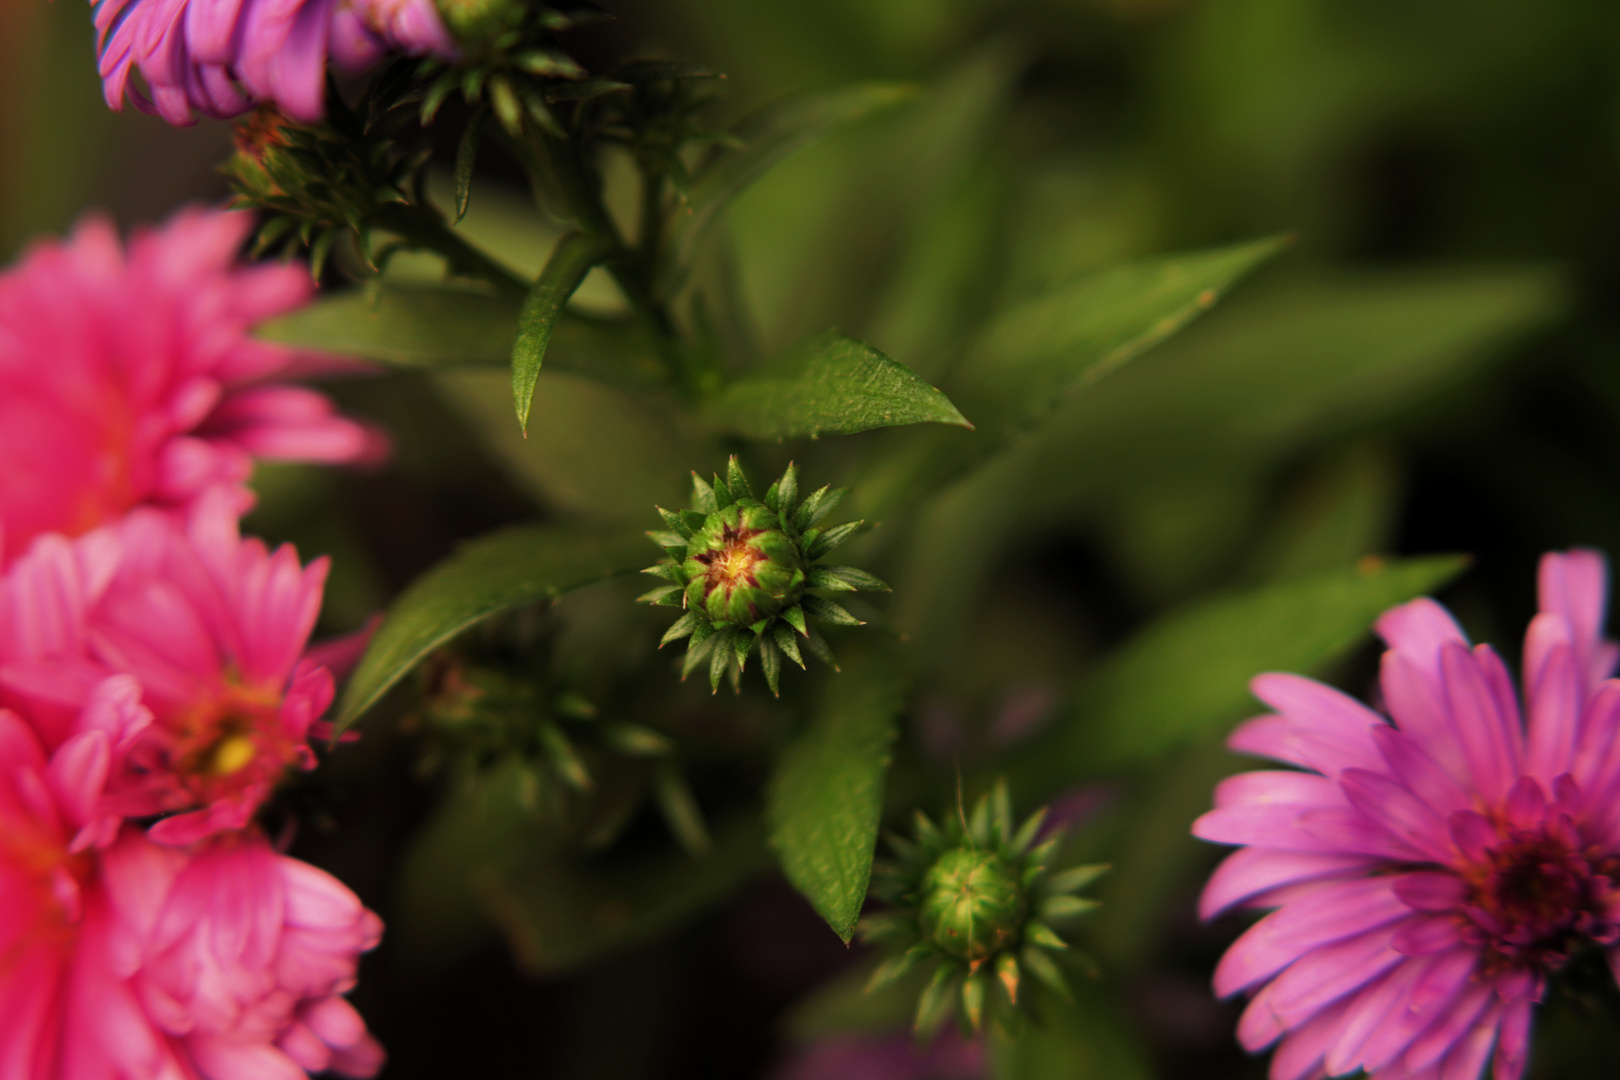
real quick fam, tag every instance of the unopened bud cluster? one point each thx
(742, 569)
(972, 897)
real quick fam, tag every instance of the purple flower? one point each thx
(1430, 873)
(222, 57)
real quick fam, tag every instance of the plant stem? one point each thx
(423, 227)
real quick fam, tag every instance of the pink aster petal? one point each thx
(1403, 815)
(1556, 697)
(1252, 872)
(152, 376)
(1575, 586)
(1330, 913)
(1478, 723)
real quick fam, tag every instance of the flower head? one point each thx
(973, 896)
(741, 567)
(1433, 866)
(211, 628)
(221, 57)
(127, 377)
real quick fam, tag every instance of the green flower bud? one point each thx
(971, 905)
(972, 897)
(741, 566)
(473, 22)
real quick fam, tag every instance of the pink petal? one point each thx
(1389, 805)
(1477, 723)
(1251, 872)
(1333, 912)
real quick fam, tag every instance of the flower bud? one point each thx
(972, 905)
(475, 22)
(741, 566)
(972, 896)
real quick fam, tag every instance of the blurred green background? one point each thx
(1431, 367)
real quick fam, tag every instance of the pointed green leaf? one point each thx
(832, 538)
(736, 481)
(830, 385)
(663, 596)
(827, 611)
(826, 798)
(1187, 674)
(680, 809)
(682, 627)
(466, 158)
(782, 634)
(1038, 351)
(507, 569)
(768, 137)
(570, 261)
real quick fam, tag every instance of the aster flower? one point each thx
(1436, 865)
(211, 627)
(127, 376)
(127, 960)
(221, 57)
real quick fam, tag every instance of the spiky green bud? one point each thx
(971, 904)
(742, 568)
(972, 896)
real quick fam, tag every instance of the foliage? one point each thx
(1159, 344)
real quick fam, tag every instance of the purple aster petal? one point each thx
(1477, 723)
(1332, 912)
(211, 29)
(1276, 786)
(1348, 830)
(1415, 701)
(1467, 1059)
(1407, 761)
(1554, 697)
(1597, 754)
(1367, 1013)
(1431, 891)
(1575, 585)
(1440, 983)
(1417, 631)
(1300, 1055)
(1267, 826)
(1465, 1012)
(1513, 1041)
(1526, 803)
(1325, 975)
(1473, 834)
(1315, 705)
(1324, 751)
(1396, 810)
(354, 46)
(1427, 935)
(1251, 872)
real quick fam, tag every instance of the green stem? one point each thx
(423, 227)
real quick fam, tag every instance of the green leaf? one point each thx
(1038, 351)
(572, 259)
(504, 570)
(1188, 674)
(405, 325)
(768, 137)
(466, 158)
(826, 798)
(830, 385)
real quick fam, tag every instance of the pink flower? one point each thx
(1429, 873)
(127, 377)
(238, 957)
(212, 629)
(126, 960)
(221, 57)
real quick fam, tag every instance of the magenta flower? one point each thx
(212, 629)
(222, 57)
(1429, 873)
(126, 960)
(127, 377)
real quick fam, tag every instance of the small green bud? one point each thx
(741, 566)
(972, 894)
(474, 22)
(971, 906)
